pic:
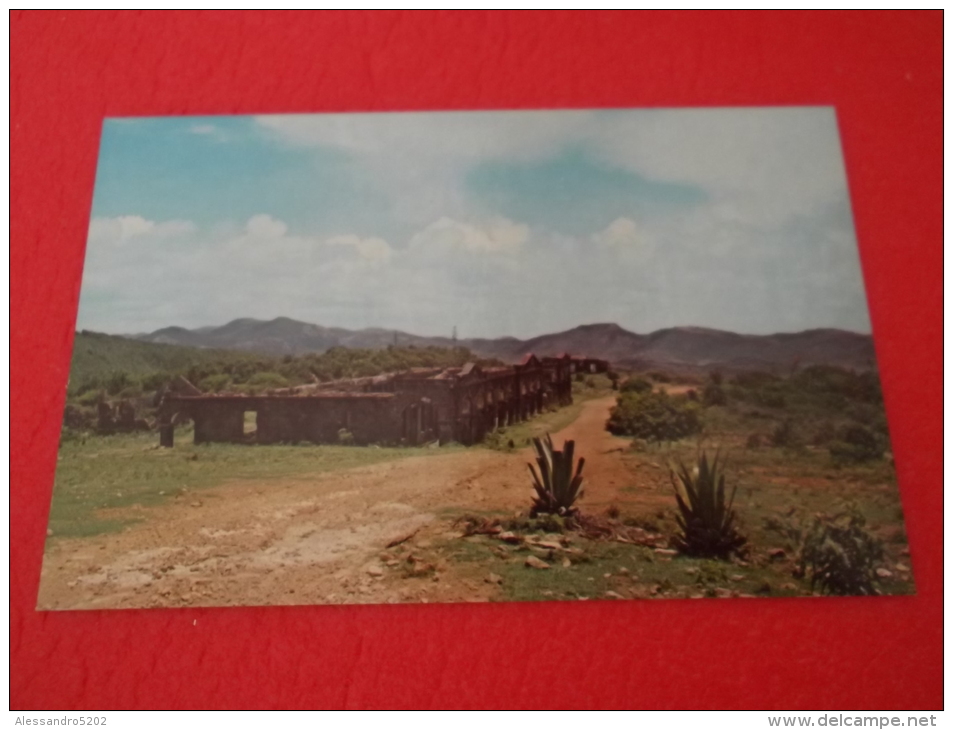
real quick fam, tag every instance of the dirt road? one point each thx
(316, 539)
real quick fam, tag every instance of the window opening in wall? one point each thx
(250, 425)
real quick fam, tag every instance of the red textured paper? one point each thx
(883, 72)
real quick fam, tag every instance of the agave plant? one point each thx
(557, 488)
(706, 519)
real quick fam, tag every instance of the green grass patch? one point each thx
(629, 571)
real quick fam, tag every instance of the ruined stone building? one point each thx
(412, 407)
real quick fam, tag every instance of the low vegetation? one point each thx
(706, 519)
(558, 483)
(654, 416)
(840, 556)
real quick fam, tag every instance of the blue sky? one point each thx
(498, 223)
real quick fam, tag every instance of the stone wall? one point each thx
(409, 408)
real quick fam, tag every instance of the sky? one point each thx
(496, 223)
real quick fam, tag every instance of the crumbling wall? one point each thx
(411, 408)
(218, 421)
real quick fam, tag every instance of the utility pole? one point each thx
(454, 333)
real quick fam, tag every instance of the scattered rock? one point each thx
(195, 504)
(533, 562)
(788, 586)
(693, 570)
(549, 544)
(612, 594)
(777, 554)
(421, 568)
(494, 579)
(392, 563)
(623, 571)
(725, 593)
(375, 571)
(883, 573)
(49, 532)
(607, 575)
(510, 537)
(665, 551)
(902, 568)
(737, 577)
(567, 562)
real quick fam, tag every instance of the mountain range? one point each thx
(680, 348)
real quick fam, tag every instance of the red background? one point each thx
(883, 72)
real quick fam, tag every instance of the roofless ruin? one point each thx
(411, 407)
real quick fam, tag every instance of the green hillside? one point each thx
(98, 357)
(131, 368)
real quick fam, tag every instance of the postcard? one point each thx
(472, 356)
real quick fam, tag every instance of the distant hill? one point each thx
(688, 348)
(96, 355)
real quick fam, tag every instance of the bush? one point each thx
(824, 434)
(118, 382)
(660, 377)
(636, 385)
(856, 444)
(785, 434)
(214, 383)
(714, 395)
(268, 380)
(654, 416)
(706, 518)
(90, 398)
(840, 555)
(557, 488)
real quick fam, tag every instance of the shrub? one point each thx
(856, 444)
(118, 381)
(714, 395)
(840, 555)
(785, 434)
(824, 434)
(636, 385)
(557, 488)
(660, 377)
(706, 518)
(214, 383)
(91, 397)
(654, 416)
(268, 380)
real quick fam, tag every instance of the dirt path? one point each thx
(315, 539)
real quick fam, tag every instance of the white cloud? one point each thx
(264, 226)
(498, 236)
(758, 164)
(126, 227)
(371, 249)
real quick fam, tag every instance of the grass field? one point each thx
(103, 472)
